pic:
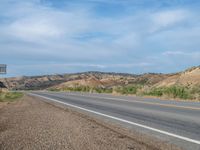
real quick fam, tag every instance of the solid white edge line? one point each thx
(122, 120)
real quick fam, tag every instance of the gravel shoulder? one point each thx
(31, 123)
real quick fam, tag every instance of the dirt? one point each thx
(190, 78)
(32, 123)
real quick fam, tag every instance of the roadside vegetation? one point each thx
(10, 96)
(85, 89)
(171, 92)
(129, 89)
(174, 92)
(125, 90)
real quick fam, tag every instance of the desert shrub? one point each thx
(108, 90)
(178, 92)
(102, 90)
(129, 89)
(88, 89)
(53, 89)
(195, 92)
(155, 92)
(10, 96)
(13, 95)
(78, 89)
(172, 92)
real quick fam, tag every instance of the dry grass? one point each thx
(10, 96)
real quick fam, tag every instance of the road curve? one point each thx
(176, 122)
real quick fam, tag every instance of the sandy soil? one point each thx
(31, 123)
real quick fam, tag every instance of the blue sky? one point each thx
(134, 36)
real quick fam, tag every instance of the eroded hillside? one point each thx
(184, 85)
(91, 79)
(190, 77)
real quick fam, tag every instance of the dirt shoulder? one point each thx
(31, 123)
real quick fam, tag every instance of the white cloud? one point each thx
(34, 29)
(164, 19)
(131, 65)
(190, 55)
(31, 31)
(169, 53)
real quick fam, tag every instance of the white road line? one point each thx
(136, 101)
(122, 120)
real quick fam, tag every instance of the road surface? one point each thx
(176, 122)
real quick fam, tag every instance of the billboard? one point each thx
(3, 69)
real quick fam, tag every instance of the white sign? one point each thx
(3, 69)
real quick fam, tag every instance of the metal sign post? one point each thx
(3, 68)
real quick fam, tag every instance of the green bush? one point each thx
(129, 89)
(172, 92)
(10, 96)
(195, 90)
(101, 90)
(178, 92)
(169, 92)
(156, 92)
(53, 90)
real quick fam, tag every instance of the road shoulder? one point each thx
(32, 123)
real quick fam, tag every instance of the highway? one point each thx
(176, 122)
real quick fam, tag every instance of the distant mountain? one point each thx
(188, 81)
(188, 77)
(93, 79)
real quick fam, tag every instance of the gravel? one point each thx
(33, 124)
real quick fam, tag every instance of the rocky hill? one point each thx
(182, 83)
(32, 83)
(92, 79)
(189, 78)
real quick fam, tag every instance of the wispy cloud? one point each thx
(190, 55)
(165, 19)
(88, 35)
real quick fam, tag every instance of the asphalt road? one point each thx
(176, 122)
